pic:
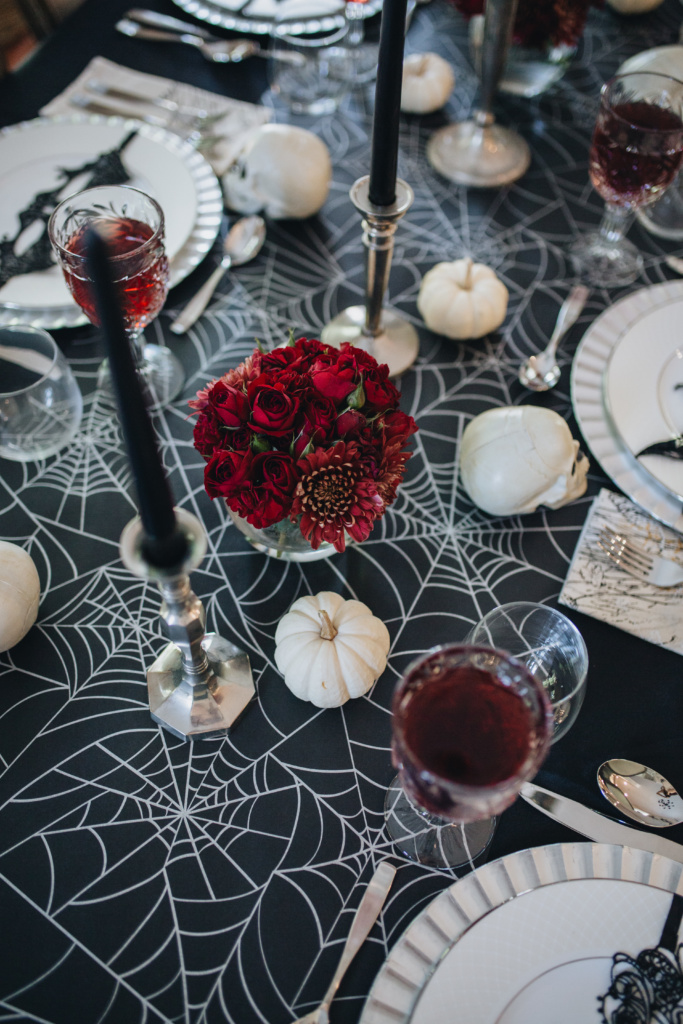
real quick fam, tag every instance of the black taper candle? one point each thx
(384, 157)
(165, 545)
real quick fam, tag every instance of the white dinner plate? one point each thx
(258, 16)
(529, 937)
(666, 60)
(160, 163)
(587, 389)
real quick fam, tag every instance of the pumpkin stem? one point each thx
(468, 274)
(328, 632)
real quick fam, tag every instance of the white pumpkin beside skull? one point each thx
(428, 81)
(515, 458)
(462, 299)
(329, 649)
(19, 594)
(281, 170)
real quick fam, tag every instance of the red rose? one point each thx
(273, 411)
(380, 394)
(397, 424)
(334, 383)
(275, 477)
(298, 356)
(349, 423)
(207, 436)
(230, 404)
(227, 473)
(319, 412)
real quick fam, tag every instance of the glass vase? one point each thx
(282, 540)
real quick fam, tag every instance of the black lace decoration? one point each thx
(649, 988)
(105, 169)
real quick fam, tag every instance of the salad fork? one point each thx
(655, 569)
(366, 915)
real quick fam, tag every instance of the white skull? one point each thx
(281, 170)
(515, 458)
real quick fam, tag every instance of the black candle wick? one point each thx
(164, 545)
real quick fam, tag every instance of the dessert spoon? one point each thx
(243, 241)
(541, 372)
(640, 793)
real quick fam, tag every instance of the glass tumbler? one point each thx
(309, 73)
(551, 648)
(40, 402)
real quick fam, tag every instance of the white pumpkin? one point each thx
(428, 81)
(19, 594)
(634, 6)
(462, 299)
(329, 649)
(282, 170)
(515, 458)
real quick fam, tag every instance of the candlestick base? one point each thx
(200, 684)
(478, 154)
(397, 345)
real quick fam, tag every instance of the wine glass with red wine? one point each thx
(635, 154)
(131, 224)
(470, 725)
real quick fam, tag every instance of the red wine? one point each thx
(635, 153)
(140, 270)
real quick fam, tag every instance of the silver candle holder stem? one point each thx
(200, 683)
(373, 327)
(478, 152)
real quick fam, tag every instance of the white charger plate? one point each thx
(528, 934)
(258, 16)
(588, 401)
(160, 163)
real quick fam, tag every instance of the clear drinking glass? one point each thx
(635, 154)
(131, 224)
(364, 56)
(470, 725)
(308, 72)
(551, 648)
(40, 401)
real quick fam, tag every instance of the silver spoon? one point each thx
(366, 915)
(541, 372)
(243, 241)
(640, 793)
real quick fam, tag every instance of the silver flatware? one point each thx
(242, 243)
(596, 826)
(222, 51)
(640, 793)
(541, 372)
(366, 915)
(155, 20)
(655, 569)
(195, 136)
(195, 114)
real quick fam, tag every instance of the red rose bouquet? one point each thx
(308, 433)
(550, 22)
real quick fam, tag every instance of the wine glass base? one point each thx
(482, 156)
(161, 371)
(603, 263)
(420, 838)
(397, 345)
(665, 217)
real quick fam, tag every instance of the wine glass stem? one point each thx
(135, 338)
(354, 14)
(616, 220)
(498, 21)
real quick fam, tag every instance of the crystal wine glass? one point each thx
(635, 154)
(470, 726)
(132, 226)
(364, 55)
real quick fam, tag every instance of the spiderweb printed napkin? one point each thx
(597, 587)
(239, 117)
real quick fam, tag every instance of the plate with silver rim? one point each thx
(588, 401)
(32, 156)
(258, 16)
(529, 937)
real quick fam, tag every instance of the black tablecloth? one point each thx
(142, 878)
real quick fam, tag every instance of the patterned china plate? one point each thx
(160, 163)
(258, 16)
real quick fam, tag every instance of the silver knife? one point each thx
(596, 826)
(156, 20)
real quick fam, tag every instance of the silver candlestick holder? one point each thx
(479, 152)
(200, 683)
(373, 327)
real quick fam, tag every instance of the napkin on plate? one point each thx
(597, 587)
(239, 117)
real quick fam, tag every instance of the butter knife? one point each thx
(673, 448)
(596, 826)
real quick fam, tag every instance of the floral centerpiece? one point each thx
(308, 435)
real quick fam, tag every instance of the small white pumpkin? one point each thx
(329, 649)
(282, 170)
(19, 594)
(634, 6)
(515, 458)
(428, 81)
(462, 299)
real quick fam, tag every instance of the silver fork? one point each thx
(655, 569)
(366, 915)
